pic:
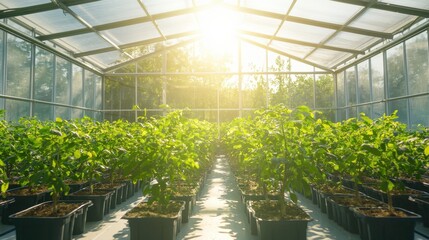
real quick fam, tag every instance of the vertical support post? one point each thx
(240, 82)
(164, 79)
(136, 94)
(267, 77)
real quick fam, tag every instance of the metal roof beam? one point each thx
(123, 23)
(119, 65)
(303, 43)
(286, 54)
(313, 22)
(135, 44)
(390, 7)
(15, 12)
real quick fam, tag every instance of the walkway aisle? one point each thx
(219, 214)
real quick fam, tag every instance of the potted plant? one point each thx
(50, 220)
(390, 160)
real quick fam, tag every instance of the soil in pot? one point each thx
(186, 194)
(42, 222)
(155, 222)
(380, 223)
(272, 225)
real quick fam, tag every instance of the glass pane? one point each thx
(259, 24)
(23, 3)
(341, 96)
(327, 57)
(301, 31)
(62, 22)
(325, 91)
(342, 115)
(88, 89)
(149, 92)
(1, 61)
(18, 67)
(423, 4)
(76, 113)
(378, 110)
(351, 86)
(44, 75)
(377, 77)
(364, 109)
(380, 20)
(127, 93)
(351, 40)
(364, 88)
(323, 10)
(98, 93)
(42, 111)
(352, 112)
(77, 83)
(417, 63)
(178, 24)
(293, 49)
(86, 42)
(16, 109)
(402, 107)
(88, 113)
(62, 112)
(108, 11)
(160, 6)
(276, 6)
(132, 33)
(419, 111)
(62, 83)
(396, 82)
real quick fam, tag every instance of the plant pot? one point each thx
(282, 228)
(80, 219)
(153, 228)
(22, 201)
(46, 228)
(116, 195)
(126, 190)
(99, 199)
(76, 186)
(392, 228)
(189, 201)
(423, 204)
(342, 209)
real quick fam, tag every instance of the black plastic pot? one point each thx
(423, 204)
(251, 218)
(74, 187)
(282, 229)
(46, 228)
(189, 203)
(100, 200)
(80, 219)
(154, 228)
(116, 195)
(21, 202)
(392, 228)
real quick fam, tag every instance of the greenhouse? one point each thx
(274, 119)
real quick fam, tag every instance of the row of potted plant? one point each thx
(160, 152)
(287, 149)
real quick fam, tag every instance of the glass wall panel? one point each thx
(341, 96)
(417, 63)
(396, 82)
(1, 64)
(43, 111)
(16, 109)
(77, 83)
(43, 77)
(149, 92)
(377, 77)
(62, 112)
(18, 68)
(88, 90)
(127, 93)
(76, 113)
(364, 89)
(62, 81)
(351, 86)
(352, 112)
(402, 107)
(98, 105)
(342, 115)
(325, 93)
(364, 109)
(419, 111)
(378, 110)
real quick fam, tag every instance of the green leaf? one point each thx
(77, 154)
(427, 151)
(4, 187)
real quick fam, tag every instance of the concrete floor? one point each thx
(218, 215)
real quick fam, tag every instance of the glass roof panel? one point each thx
(351, 41)
(177, 24)
(161, 6)
(22, 3)
(259, 24)
(292, 49)
(259, 40)
(86, 42)
(107, 11)
(384, 21)
(304, 32)
(107, 59)
(423, 4)
(325, 11)
(54, 21)
(328, 57)
(275, 6)
(132, 33)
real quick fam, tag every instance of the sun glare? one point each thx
(218, 28)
